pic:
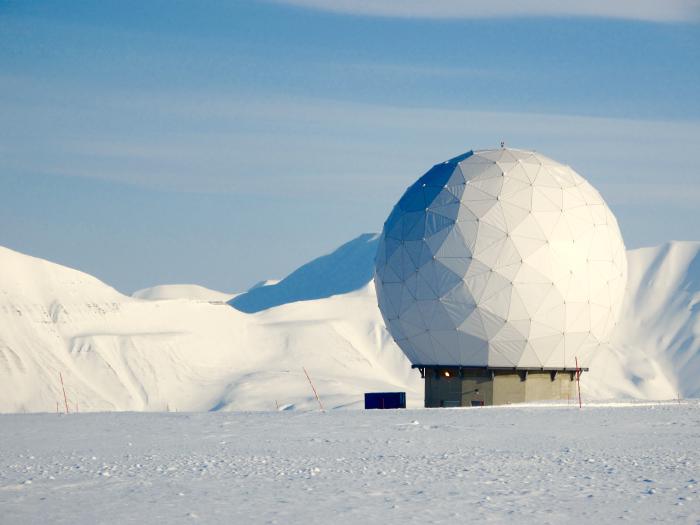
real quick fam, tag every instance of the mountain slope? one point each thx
(659, 332)
(192, 292)
(123, 353)
(348, 268)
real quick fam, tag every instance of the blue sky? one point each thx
(225, 142)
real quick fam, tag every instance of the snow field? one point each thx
(527, 464)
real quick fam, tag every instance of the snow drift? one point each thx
(191, 351)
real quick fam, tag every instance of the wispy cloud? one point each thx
(650, 10)
(215, 142)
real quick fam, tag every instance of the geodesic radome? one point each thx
(500, 258)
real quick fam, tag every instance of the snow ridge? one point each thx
(194, 352)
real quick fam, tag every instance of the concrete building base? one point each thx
(474, 386)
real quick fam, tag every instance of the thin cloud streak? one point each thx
(294, 146)
(647, 10)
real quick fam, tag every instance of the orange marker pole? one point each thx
(65, 398)
(313, 388)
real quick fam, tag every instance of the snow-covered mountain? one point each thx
(182, 348)
(194, 292)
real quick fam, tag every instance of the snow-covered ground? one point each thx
(527, 464)
(182, 348)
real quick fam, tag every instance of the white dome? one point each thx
(500, 258)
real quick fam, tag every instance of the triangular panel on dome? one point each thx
(547, 199)
(434, 241)
(517, 310)
(516, 179)
(509, 272)
(435, 222)
(472, 169)
(547, 221)
(448, 211)
(550, 350)
(446, 354)
(532, 170)
(547, 177)
(458, 311)
(492, 323)
(393, 228)
(457, 265)
(442, 318)
(522, 327)
(552, 314)
(529, 357)
(447, 339)
(415, 251)
(499, 360)
(390, 299)
(437, 176)
(526, 245)
(508, 255)
(510, 349)
(466, 215)
(406, 300)
(514, 215)
(495, 283)
(488, 236)
(492, 184)
(564, 176)
(578, 317)
(426, 289)
(600, 244)
(474, 325)
(412, 200)
(387, 274)
(472, 350)
(454, 245)
(424, 347)
(427, 310)
(415, 230)
(572, 198)
(561, 231)
(533, 295)
(495, 217)
(405, 266)
(456, 178)
(446, 278)
(473, 193)
(409, 221)
(497, 303)
(390, 247)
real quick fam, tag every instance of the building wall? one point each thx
(496, 387)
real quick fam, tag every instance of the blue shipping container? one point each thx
(385, 400)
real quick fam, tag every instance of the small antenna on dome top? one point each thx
(503, 143)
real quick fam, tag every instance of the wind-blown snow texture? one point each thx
(122, 353)
(637, 464)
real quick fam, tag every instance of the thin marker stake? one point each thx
(578, 382)
(65, 398)
(313, 388)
